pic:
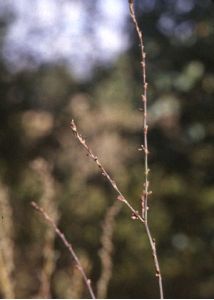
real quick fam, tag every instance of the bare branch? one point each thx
(144, 100)
(67, 245)
(146, 192)
(144, 197)
(120, 196)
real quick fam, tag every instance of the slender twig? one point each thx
(144, 100)
(143, 217)
(67, 245)
(135, 213)
(146, 192)
(107, 249)
(120, 197)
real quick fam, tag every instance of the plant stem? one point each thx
(146, 192)
(67, 245)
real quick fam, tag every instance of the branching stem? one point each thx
(143, 217)
(120, 196)
(146, 192)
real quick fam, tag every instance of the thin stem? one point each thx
(155, 258)
(67, 245)
(144, 100)
(146, 192)
(120, 197)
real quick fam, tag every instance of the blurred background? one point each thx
(64, 59)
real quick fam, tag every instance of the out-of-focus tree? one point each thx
(36, 106)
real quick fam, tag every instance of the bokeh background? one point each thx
(64, 59)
